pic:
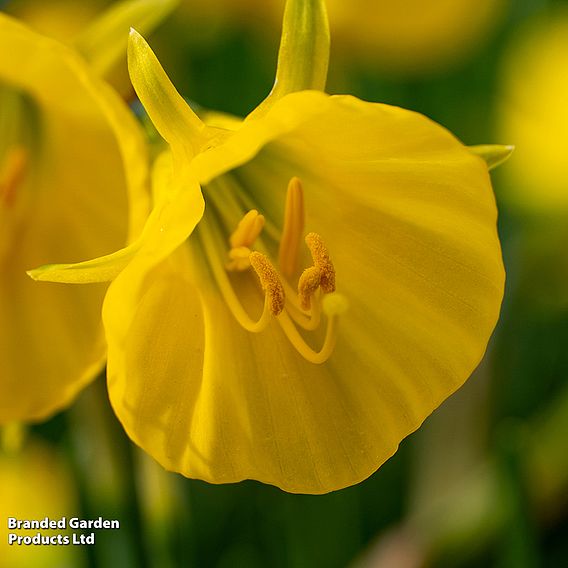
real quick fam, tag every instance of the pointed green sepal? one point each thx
(103, 43)
(304, 51)
(493, 154)
(171, 115)
(304, 47)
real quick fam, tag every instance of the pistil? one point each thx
(293, 229)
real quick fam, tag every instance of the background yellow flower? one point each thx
(82, 155)
(534, 113)
(37, 482)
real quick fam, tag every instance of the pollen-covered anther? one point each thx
(269, 280)
(320, 275)
(247, 230)
(309, 282)
(320, 257)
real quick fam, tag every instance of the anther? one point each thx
(269, 280)
(293, 228)
(247, 230)
(322, 261)
(309, 282)
(320, 275)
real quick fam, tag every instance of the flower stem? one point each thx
(104, 469)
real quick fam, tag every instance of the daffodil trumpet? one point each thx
(291, 308)
(313, 281)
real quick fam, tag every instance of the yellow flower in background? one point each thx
(413, 37)
(311, 284)
(534, 113)
(59, 19)
(73, 163)
(99, 36)
(402, 37)
(69, 153)
(36, 482)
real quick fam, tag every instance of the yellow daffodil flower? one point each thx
(533, 110)
(312, 282)
(69, 153)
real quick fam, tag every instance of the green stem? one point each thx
(104, 466)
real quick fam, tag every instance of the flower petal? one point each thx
(284, 116)
(102, 269)
(199, 393)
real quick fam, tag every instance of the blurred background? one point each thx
(485, 480)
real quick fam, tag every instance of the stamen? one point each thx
(309, 282)
(321, 275)
(12, 174)
(269, 280)
(247, 230)
(316, 285)
(322, 261)
(212, 244)
(307, 320)
(293, 228)
(333, 307)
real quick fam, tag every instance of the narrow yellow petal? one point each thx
(101, 269)
(171, 115)
(493, 154)
(171, 221)
(304, 51)
(104, 42)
